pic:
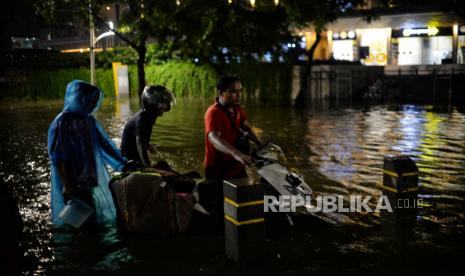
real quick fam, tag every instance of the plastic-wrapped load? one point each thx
(151, 204)
(79, 146)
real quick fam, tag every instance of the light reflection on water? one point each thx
(338, 151)
(348, 147)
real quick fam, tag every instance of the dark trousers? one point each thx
(211, 191)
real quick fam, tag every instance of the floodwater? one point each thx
(339, 150)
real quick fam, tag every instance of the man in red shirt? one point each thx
(225, 122)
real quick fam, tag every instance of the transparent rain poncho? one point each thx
(76, 140)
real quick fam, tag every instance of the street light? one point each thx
(105, 34)
(93, 40)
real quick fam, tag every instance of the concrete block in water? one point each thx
(400, 174)
(244, 219)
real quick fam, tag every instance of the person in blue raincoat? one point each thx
(79, 148)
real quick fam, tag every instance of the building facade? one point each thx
(410, 38)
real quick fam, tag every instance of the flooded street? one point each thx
(337, 149)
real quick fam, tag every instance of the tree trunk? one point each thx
(141, 50)
(301, 99)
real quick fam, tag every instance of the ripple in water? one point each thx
(338, 151)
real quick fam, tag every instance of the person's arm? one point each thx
(111, 153)
(142, 149)
(250, 132)
(223, 146)
(68, 189)
(58, 149)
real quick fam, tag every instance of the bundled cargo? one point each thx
(149, 203)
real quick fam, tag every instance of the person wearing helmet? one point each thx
(135, 141)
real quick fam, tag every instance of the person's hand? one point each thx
(68, 193)
(243, 158)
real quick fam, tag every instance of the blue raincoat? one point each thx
(77, 140)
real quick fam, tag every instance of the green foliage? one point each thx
(156, 54)
(184, 79)
(269, 82)
(125, 55)
(217, 31)
(133, 82)
(105, 81)
(52, 84)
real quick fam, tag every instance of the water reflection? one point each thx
(339, 150)
(349, 147)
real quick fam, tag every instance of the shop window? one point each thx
(343, 50)
(376, 40)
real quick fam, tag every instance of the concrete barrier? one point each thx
(244, 220)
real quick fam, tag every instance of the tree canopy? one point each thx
(211, 31)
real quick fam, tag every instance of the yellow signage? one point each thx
(115, 66)
(430, 31)
(377, 58)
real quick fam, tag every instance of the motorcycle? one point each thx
(279, 181)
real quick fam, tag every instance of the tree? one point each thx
(316, 14)
(139, 21)
(212, 31)
(217, 32)
(209, 30)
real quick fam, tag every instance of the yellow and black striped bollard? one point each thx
(400, 184)
(244, 219)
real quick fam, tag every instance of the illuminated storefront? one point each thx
(376, 43)
(397, 39)
(426, 45)
(344, 45)
(461, 45)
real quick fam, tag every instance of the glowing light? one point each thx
(462, 28)
(351, 34)
(343, 35)
(82, 50)
(252, 3)
(108, 8)
(276, 2)
(430, 31)
(178, 2)
(229, 1)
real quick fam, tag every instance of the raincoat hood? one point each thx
(79, 144)
(82, 98)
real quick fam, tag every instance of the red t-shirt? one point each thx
(216, 120)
